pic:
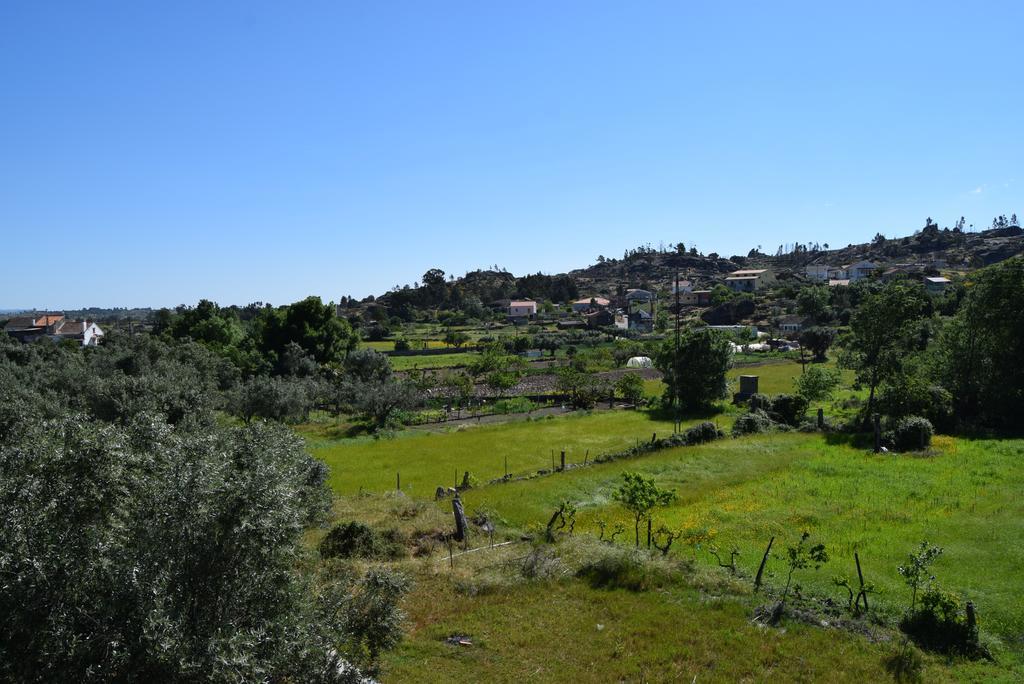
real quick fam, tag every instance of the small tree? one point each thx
(813, 302)
(817, 383)
(800, 556)
(631, 388)
(640, 495)
(583, 389)
(884, 331)
(818, 340)
(456, 338)
(915, 573)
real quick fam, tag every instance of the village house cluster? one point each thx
(637, 309)
(53, 326)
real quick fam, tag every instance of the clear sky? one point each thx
(153, 153)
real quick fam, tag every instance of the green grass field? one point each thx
(427, 460)
(963, 495)
(744, 491)
(404, 363)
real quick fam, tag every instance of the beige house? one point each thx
(587, 303)
(750, 280)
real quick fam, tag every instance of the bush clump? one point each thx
(701, 433)
(698, 434)
(910, 434)
(752, 422)
(618, 568)
(357, 540)
(787, 408)
(782, 408)
(942, 625)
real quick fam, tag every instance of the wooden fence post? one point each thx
(460, 519)
(760, 569)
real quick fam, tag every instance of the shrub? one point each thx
(787, 408)
(702, 432)
(541, 563)
(911, 433)
(941, 625)
(752, 422)
(356, 540)
(402, 344)
(618, 568)
(759, 401)
(913, 395)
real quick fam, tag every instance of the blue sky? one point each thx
(155, 153)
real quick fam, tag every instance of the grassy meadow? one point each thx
(963, 495)
(453, 360)
(429, 459)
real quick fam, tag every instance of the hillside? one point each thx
(648, 268)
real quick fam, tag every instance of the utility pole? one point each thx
(675, 357)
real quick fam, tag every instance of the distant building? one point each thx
(936, 285)
(860, 270)
(818, 272)
(641, 320)
(600, 318)
(695, 298)
(792, 323)
(684, 286)
(55, 327)
(899, 270)
(638, 295)
(837, 273)
(749, 280)
(522, 309)
(588, 303)
(838, 282)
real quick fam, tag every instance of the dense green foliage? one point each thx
(145, 541)
(695, 372)
(888, 326)
(979, 350)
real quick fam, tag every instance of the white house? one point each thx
(749, 280)
(837, 273)
(791, 323)
(937, 284)
(523, 308)
(860, 270)
(86, 332)
(817, 272)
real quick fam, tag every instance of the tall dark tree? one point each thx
(694, 375)
(978, 351)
